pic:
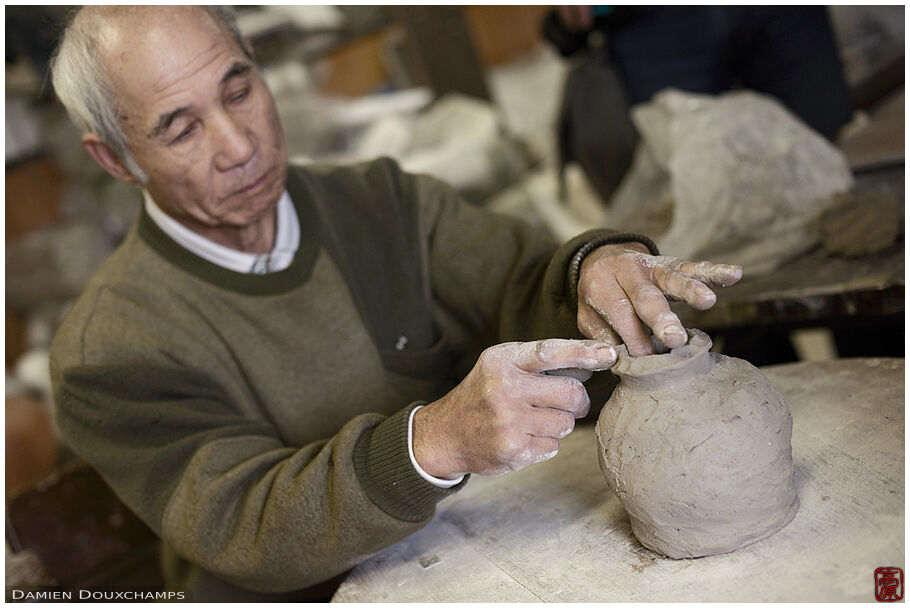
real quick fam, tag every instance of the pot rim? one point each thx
(696, 347)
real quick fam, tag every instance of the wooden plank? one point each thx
(82, 532)
(33, 191)
(357, 67)
(16, 337)
(816, 287)
(881, 142)
(504, 32)
(553, 532)
(439, 50)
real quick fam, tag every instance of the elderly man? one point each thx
(283, 370)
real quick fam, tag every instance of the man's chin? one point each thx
(253, 210)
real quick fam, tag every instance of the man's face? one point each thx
(198, 118)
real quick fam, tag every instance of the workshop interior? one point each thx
(522, 115)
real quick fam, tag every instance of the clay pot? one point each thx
(696, 446)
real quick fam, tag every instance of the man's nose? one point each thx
(235, 143)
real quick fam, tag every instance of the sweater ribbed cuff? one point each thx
(613, 239)
(386, 474)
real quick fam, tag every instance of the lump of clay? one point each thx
(861, 223)
(696, 446)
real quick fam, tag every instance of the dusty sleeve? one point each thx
(225, 492)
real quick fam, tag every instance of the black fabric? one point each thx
(785, 51)
(594, 127)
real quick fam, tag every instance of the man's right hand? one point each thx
(511, 410)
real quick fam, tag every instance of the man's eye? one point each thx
(184, 135)
(239, 96)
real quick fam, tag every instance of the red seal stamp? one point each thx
(889, 584)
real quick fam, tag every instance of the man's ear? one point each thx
(106, 157)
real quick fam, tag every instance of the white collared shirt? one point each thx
(287, 240)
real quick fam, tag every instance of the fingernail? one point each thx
(732, 274)
(672, 331)
(640, 351)
(708, 296)
(549, 456)
(606, 350)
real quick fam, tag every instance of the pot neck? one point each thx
(691, 359)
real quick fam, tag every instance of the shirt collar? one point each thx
(287, 240)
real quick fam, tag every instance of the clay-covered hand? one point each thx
(511, 409)
(622, 289)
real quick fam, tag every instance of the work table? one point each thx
(554, 532)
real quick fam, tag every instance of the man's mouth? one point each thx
(254, 186)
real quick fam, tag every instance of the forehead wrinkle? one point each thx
(199, 62)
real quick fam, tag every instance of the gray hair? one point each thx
(82, 85)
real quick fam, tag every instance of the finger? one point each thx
(652, 307)
(529, 450)
(567, 16)
(539, 450)
(557, 393)
(719, 275)
(557, 353)
(679, 285)
(585, 17)
(582, 375)
(575, 18)
(610, 300)
(619, 312)
(594, 326)
(545, 422)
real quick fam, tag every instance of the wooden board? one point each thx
(817, 287)
(821, 287)
(881, 142)
(34, 188)
(554, 532)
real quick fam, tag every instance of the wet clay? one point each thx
(696, 446)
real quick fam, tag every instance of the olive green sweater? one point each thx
(258, 423)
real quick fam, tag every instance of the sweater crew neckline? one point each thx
(272, 283)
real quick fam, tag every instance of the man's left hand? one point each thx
(622, 289)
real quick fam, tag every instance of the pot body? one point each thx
(696, 446)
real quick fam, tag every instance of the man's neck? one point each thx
(257, 238)
(282, 231)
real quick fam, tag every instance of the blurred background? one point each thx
(522, 114)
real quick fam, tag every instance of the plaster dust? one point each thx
(696, 446)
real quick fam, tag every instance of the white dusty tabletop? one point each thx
(554, 532)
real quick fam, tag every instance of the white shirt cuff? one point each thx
(441, 483)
